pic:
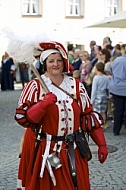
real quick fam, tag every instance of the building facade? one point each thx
(61, 20)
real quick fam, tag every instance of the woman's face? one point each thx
(55, 64)
(83, 57)
(103, 56)
(99, 56)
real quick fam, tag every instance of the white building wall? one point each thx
(55, 25)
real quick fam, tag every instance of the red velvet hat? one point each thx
(43, 46)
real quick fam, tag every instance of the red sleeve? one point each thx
(29, 96)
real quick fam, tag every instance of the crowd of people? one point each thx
(103, 79)
(58, 110)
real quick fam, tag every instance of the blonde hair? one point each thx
(84, 53)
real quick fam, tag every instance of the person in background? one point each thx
(23, 70)
(92, 54)
(70, 52)
(7, 73)
(117, 88)
(95, 60)
(53, 154)
(76, 63)
(99, 91)
(105, 58)
(113, 51)
(118, 47)
(3, 56)
(70, 58)
(106, 41)
(85, 70)
(97, 49)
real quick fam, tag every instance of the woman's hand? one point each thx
(36, 112)
(102, 153)
(49, 99)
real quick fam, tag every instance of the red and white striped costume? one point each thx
(62, 117)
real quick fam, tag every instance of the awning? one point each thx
(116, 21)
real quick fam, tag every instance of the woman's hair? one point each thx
(107, 40)
(92, 43)
(70, 47)
(123, 46)
(100, 67)
(99, 47)
(107, 55)
(118, 47)
(45, 66)
(85, 53)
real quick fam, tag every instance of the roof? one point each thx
(115, 21)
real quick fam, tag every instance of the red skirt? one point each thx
(32, 181)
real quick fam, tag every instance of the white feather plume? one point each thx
(21, 47)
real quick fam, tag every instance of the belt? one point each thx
(68, 138)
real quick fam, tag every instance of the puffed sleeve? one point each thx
(29, 96)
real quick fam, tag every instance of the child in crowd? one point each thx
(100, 91)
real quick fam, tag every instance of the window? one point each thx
(112, 7)
(30, 7)
(74, 8)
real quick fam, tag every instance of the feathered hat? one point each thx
(28, 48)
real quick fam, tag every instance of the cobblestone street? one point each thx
(108, 176)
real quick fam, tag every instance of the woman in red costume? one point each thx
(50, 158)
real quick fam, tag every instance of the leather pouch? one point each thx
(82, 145)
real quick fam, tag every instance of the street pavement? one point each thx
(108, 176)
